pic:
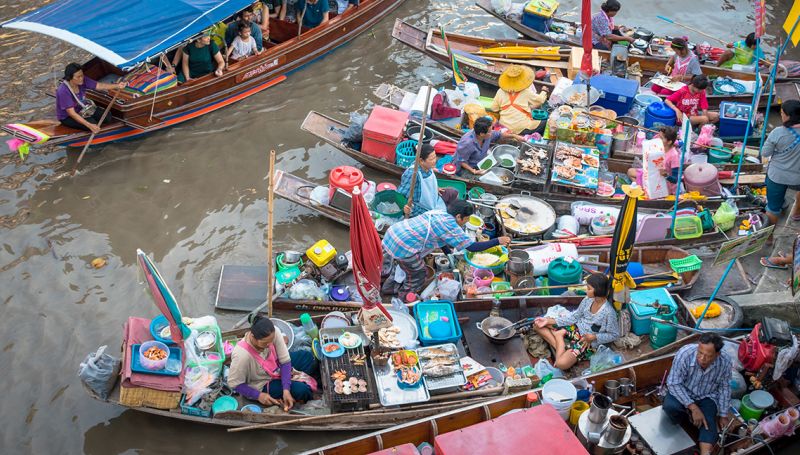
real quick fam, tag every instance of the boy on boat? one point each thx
(244, 45)
(691, 100)
(407, 243)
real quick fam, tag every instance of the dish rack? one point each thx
(341, 402)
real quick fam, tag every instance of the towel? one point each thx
(137, 331)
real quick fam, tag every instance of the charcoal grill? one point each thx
(341, 402)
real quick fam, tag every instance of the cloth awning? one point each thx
(126, 32)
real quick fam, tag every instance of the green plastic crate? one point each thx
(461, 187)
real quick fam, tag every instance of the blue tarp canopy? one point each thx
(126, 32)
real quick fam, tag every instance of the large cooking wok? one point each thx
(497, 323)
(525, 215)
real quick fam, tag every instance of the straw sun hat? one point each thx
(516, 78)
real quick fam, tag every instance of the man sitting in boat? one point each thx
(681, 66)
(691, 100)
(604, 32)
(699, 388)
(201, 57)
(407, 243)
(263, 370)
(255, 29)
(312, 13)
(743, 52)
(576, 336)
(474, 146)
(515, 99)
(427, 194)
(244, 45)
(73, 110)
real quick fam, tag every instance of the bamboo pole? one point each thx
(270, 260)
(99, 124)
(419, 149)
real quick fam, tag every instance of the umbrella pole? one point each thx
(270, 260)
(419, 149)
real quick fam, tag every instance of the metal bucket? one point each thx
(617, 427)
(598, 410)
(519, 262)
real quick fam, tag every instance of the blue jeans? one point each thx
(776, 193)
(678, 413)
(301, 361)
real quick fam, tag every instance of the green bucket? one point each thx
(748, 410)
(717, 156)
(389, 196)
(662, 334)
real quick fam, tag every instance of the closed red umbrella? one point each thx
(586, 37)
(367, 260)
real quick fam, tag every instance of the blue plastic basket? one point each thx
(405, 153)
(427, 312)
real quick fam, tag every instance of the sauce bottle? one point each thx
(309, 326)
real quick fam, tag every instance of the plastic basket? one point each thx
(217, 348)
(405, 153)
(389, 196)
(687, 264)
(725, 86)
(193, 411)
(461, 187)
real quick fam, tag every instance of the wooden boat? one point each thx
(376, 417)
(330, 131)
(619, 162)
(649, 375)
(295, 189)
(284, 52)
(431, 44)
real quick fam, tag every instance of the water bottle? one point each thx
(309, 326)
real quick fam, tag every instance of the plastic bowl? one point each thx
(407, 385)
(254, 408)
(224, 404)
(153, 365)
(440, 329)
(156, 326)
(285, 329)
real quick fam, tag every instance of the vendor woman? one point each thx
(516, 98)
(263, 370)
(474, 146)
(577, 335)
(681, 67)
(604, 32)
(427, 194)
(407, 243)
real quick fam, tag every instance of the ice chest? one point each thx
(616, 94)
(733, 118)
(538, 14)
(641, 313)
(383, 130)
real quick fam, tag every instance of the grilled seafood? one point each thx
(439, 371)
(432, 353)
(565, 172)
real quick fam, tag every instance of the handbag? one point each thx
(88, 107)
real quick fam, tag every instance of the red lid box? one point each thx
(382, 132)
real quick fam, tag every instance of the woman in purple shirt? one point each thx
(73, 110)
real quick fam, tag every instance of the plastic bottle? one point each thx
(309, 326)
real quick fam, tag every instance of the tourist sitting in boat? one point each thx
(264, 10)
(345, 5)
(515, 99)
(699, 388)
(782, 147)
(671, 163)
(691, 100)
(743, 52)
(474, 146)
(576, 336)
(312, 13)
(255, 29)
(407, 243)
(244, 45)
(681, 66)
(604, 33)
(427, 194)
(200, 58)
(263, 370)
(73, 110)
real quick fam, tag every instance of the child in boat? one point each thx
(576, 336)
(244, 45)
(691, 100)
(672, 160)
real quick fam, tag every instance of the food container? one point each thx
(405, 384)
(506, 155)
(499, 176)
(519, 262)
(500, 251)
(390, 393)
(438, 384)
(427, 314)
(150, 364)
(206, 340)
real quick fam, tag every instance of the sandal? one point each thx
(771, 265)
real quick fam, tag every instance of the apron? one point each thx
(511, 98)
(681, 65)
(399, 273)
(270, 365)
(429, 196)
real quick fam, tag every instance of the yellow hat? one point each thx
(516, 78)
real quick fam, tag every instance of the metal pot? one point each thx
(496, 322)
(501, 174)
(412, 132)
(643, 34)
(598, 410)
(529, 211)
(292, 257)
(506, 151)
(625, 139)
(594, 94)
(617, 429)
(519, 262)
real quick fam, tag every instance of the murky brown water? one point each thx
(194, 196)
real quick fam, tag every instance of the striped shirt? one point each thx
(604, 324)
(689, 383)
(423, 234)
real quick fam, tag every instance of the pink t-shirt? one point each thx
(689, 103)
(672, 159)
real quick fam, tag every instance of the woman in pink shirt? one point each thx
(671, 163)
(691, 100)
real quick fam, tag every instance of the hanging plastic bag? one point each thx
(448, 289)
(197, 383)
(399, 306)
(725, 216)
(98, 373)
(544, 368)
(604, 358)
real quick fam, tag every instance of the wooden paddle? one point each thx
(419, 150)
(91, 138)
(270, 260)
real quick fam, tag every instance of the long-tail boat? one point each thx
(468, 51)
(128, 50)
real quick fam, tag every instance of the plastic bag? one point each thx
(98, 372)
(448, 289)
(732, 351)
(784, 359)
(543, 368)
(197, 382)
(556, 312)
(399, 306)
(501, 6)
(306, 290)
(320, 195)
(301, 339)
(725, 216)
(604, 358)
(355, 131)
